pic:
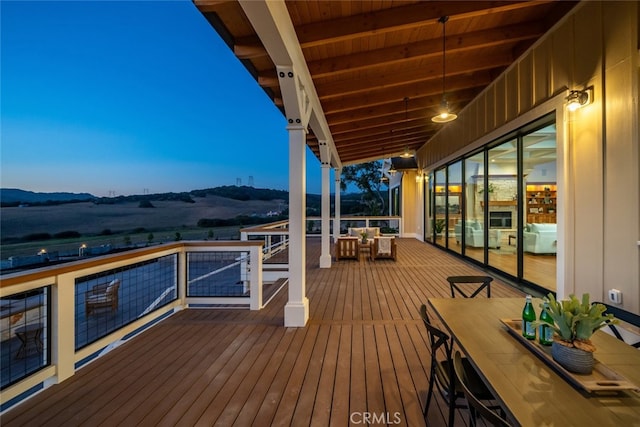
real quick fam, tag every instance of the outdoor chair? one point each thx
(475, 406)
(347, 248)
(624, 316)
(104, 295)
(384, 248)
(442, 374)
(457, 283)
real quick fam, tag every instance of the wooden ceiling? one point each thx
(377, 65)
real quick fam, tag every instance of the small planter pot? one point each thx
(573, 359)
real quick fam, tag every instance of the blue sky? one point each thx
(130, 96)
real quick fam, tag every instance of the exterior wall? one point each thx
(595, 46)
(411, 197)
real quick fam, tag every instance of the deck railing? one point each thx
(56, 319)
(49, 327)
(390, 225)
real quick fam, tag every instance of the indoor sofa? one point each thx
(540, 238)
(474, 235)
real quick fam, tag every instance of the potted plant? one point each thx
(363, 234)
(439, 225)
(574, 324)
(490, 189)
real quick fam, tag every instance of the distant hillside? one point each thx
(10, 196)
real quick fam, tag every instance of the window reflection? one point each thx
(502, 212)
(474, 213)
(510, 210)
(440, 217)
(454, 205)
(539, 235)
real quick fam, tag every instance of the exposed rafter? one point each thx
(364, 57)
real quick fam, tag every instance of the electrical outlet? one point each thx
(615, 296)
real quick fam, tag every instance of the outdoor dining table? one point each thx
(532, 393)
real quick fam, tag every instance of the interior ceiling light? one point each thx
(444, 115)
(577, 99)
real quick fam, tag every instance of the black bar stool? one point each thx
(455, 281)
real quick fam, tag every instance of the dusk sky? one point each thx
(128, 97)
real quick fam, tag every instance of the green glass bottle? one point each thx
(545, 333)
(528, 317)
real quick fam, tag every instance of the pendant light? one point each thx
(444, 115)
(407, 153)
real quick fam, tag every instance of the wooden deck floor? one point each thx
(363, 350)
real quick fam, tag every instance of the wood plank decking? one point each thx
(364, 350)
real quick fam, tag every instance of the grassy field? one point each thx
(90, 220)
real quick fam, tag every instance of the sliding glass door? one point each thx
(440, 205)
(539, 235)
(454, 205)
(498, 206)
(472, 231)
(502, 213)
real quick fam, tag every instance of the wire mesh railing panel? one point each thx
(25, 346)
(217, 274)
(109, 300)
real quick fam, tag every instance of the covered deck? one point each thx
(363, 351)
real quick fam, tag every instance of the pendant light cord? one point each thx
(444, 20)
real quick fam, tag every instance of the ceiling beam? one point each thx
(413, 91)
(424, 49)
(390, 108)
(399, 18)
(272, 23)
(249, 51)
(210, 5)
(480, 60)
(418, 126)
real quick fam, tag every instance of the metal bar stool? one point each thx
(455, 281)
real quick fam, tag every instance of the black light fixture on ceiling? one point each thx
(444, 115)
(392, 169)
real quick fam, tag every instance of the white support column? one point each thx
(296, 311)
(336, 214)
(325, 255)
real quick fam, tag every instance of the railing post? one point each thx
(269, 248)
(182, 276)
(63, 341)
(255, 278)
(244, 237)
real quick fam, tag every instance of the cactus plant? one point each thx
(575, 321)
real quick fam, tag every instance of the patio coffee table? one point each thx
(365, 247)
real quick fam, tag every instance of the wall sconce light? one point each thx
(579, 98)
(419, 177)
